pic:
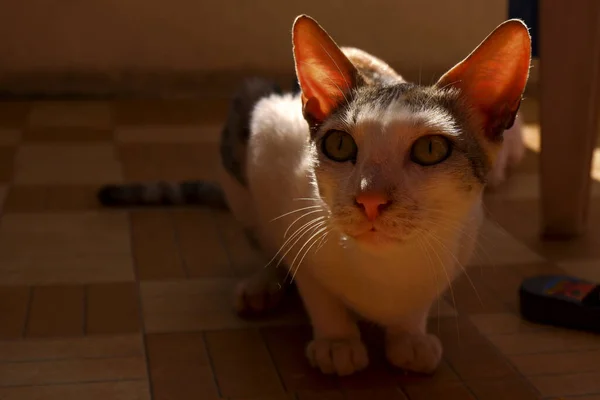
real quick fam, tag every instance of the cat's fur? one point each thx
(305, 208)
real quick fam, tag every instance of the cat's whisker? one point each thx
(307, 199)
(462, 267)
(309, 231)
(295, 211)
(296, 238)
(419, 238)
(303, 228)
(443, 268)
(314, 242)
(298, 219)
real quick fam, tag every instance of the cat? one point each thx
(367, 188)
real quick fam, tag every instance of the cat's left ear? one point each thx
(326, 76)
(493, 77)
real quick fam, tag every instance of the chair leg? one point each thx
(569, 113)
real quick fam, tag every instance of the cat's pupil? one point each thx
(430, 146)
(341, 143)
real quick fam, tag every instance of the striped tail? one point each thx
(163, 194)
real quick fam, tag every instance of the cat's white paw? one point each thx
(414, 352)
(254, 296)
(338, 356)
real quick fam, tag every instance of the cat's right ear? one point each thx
(493, 77)
(326, 76)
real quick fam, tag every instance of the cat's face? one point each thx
(395, 160)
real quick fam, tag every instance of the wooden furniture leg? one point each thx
(569, 111)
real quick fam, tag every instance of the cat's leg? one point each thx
(262, 291)
(336, 347)
(410, 347)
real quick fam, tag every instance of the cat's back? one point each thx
(278, 149)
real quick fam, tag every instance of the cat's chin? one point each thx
(376, 240)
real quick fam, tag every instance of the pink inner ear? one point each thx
(494, 76)
(325, 74)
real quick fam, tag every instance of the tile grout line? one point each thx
(522, 378)
(27, 312)
(137, 283)
(222, 241)
(211, 363)
(272, 359)
(177, 241)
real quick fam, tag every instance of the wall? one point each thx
(41, 40)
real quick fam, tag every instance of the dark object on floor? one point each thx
(561, 300)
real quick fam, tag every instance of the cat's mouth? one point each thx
(374, 237)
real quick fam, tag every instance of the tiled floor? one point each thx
(99, 304)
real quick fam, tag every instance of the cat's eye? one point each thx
(339, 146)
(430, 150)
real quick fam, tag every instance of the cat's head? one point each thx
(393, 159)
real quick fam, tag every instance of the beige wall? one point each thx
(199, 36)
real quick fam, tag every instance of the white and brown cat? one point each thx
(367, 188)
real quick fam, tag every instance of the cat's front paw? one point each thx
(257, 296)
(414, 352)
(338, 356)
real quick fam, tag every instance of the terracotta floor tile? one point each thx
(115, 346)
(320, 395)
(522, 219)
(130, 390)
(169, 161)
(245, 259)
(171, 112)
(42, 164)
(546, 341)
(375, 394)
(88, 114)
(14, 304)
(3, 195)
(468, 294)
(72, 371)
(289, 396)
(14, 114)
(155, 247)
(56, 311)
(444, 374)
(7, 159)
(446, 391)
(557, 363)
(67, 134)
(496, 247)
(201, 247)
(567, 385)
(9, 136)
(503, 323)
(287, 346)
(194, 305)
(469, 354)
(169, 134)
(179, 367)
(242, 364)
(514, 389)
(51, 198)
(65, 248)
(504, 282)
(112, 308)
(588, 269)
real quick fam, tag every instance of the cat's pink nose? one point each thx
(372, 203)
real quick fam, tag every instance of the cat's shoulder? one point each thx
(278, 114)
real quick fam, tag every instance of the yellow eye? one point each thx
(339, 146)
(430, 150)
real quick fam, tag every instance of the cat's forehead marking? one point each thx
(400, 102)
